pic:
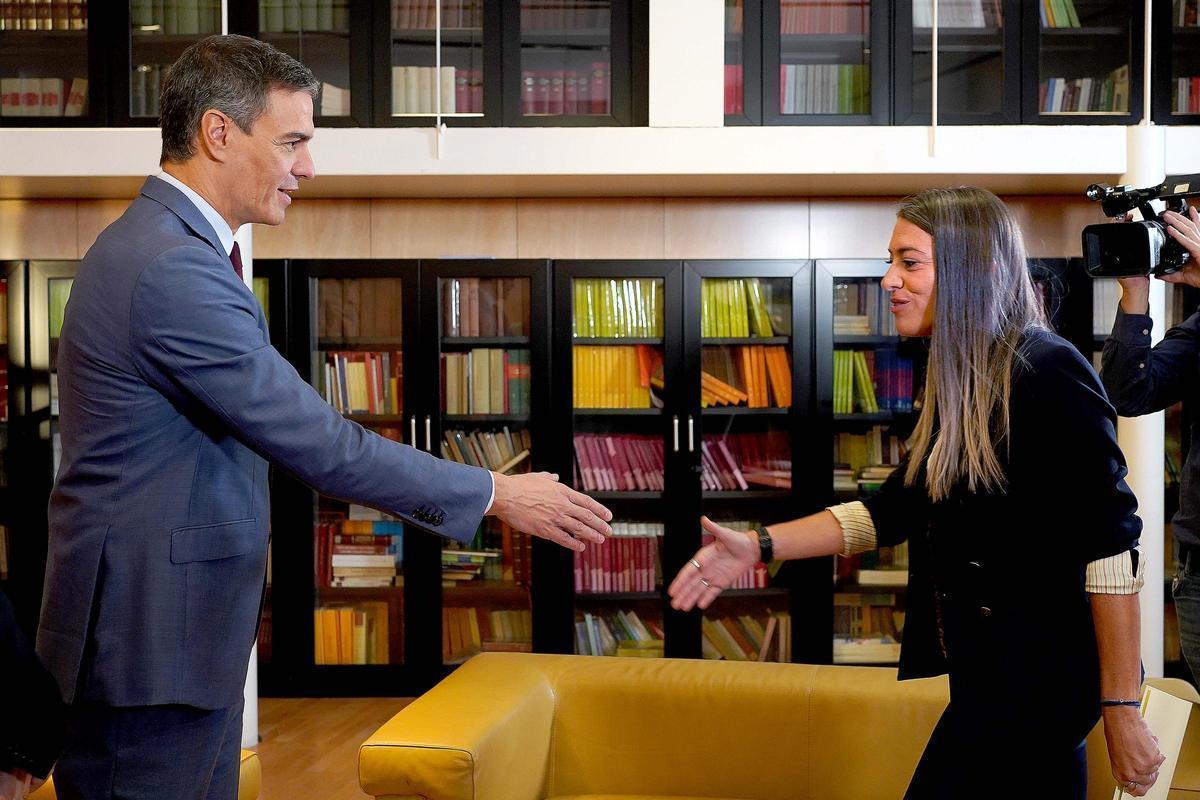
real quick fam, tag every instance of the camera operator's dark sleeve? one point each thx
(1140, 380)
(31, 707)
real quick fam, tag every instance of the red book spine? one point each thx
(556, 99)
(541, 95)
(528, 90)
(599, 98)
(571, 93)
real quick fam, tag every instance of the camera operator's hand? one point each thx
(1186, 231)
(1135, 291)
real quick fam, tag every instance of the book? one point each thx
(1167, 717)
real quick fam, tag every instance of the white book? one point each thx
(10, 97)
(1167, 717)
(399, 95)
(424, 103)
(363, 560)
(446, 84)
(787, 91)
(76, 98)
(412, 90)
(52, 97)
(31, 97)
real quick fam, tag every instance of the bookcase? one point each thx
(51, 65)
(1176, 42)
(7, 335)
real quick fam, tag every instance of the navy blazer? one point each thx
(172, 401)
(996, 592)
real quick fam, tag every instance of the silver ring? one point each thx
(695, 563)
(706, 583)
(1131, 785)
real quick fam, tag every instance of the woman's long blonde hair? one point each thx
(985, 303)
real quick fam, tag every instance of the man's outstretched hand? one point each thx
(539, 505)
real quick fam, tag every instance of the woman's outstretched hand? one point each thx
(714, 567)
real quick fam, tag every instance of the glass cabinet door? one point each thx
(749, 398)
(485, 420)
(358, 367)
(1087, 54)
(424, 80)
(743, 62)
(159, 31)
(869, 380)
(1183, 74)
(5, 413)
(47, 64)
(822, 66)
(978, 69)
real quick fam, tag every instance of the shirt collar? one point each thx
(219, 225)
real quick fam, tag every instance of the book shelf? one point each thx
(1176, 42)
(51, 69)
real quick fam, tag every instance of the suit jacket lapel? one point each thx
(163, 192)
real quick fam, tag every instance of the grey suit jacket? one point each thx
(172, 402)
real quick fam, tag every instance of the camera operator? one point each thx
(1141, 380)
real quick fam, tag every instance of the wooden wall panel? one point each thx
(94, 217)
(441, 228)
(851, 228)
(38, 229)
(1053, 226)
(735, 228)
(590, 228)
(318, 229)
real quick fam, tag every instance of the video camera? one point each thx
(1127, 249)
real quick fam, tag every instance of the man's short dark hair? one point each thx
(233, 74)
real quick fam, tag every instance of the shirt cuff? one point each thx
(1132, 329)
(492, 499)
(858, 529)
(1116, 574)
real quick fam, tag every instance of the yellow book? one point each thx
(481, 390)
(496, 382)
(329, 635)
(473, 623)
(318, 638)
(345, 631)
(359, 639)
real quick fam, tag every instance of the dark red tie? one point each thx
(235, 256)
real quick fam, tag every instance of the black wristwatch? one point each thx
(766, 547)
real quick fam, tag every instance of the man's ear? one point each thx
(214, 134)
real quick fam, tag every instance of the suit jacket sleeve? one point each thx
(1141, 380)
(899, 511)
(195, 336)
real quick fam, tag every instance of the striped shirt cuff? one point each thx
(858, 529)
(1115, 574)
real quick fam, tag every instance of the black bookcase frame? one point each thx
(751, 39)
(97, 36)
(905, 113)
(1168, 42)
(880, 42)
(244, 17)
(1031, 58)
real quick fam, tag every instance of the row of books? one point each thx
(857, 615)
(721, 470)
(862, 480)
(615, 463)
(359, 307)
(618, 307)
(862, 308)
(747, 638)
(486, 381)
(417, 90)
(1186, 99)
(285, 16)
(1106, 295)
(358, 553)
(515, 549)
(468, 631)
(567, 91)
(876, 447)
(351, 634)
(628, 561)
(334, 102)
(615, 377)
(1066, 95)
(959, 14)
(43, 15)
(758, 375)
(621, 633)
(502, 451)
(875, 650)
(735, 89)
(178, 17)
(565, 14)
(462, 566)
(871, 381)
(1059, 14)
(422, 14)
(824, 89)
(798, 17)
(1186, 13)
(736, 307)
(882, 567)
(485, 306)
(43, 97)
(362, 382)
(145, 81)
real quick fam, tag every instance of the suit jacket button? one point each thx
(984, 611)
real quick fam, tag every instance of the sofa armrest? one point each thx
(484, 732)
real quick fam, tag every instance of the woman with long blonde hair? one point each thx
(1023, 536)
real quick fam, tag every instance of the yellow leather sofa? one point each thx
(249, 782)
(509, 726)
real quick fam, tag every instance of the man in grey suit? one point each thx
(172, 404)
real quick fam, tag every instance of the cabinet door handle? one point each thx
(412, 430)
(675, 427)
(691, 434)
(428, 434)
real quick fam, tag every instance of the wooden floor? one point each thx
(309, 747)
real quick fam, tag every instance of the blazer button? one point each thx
(984, 611)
